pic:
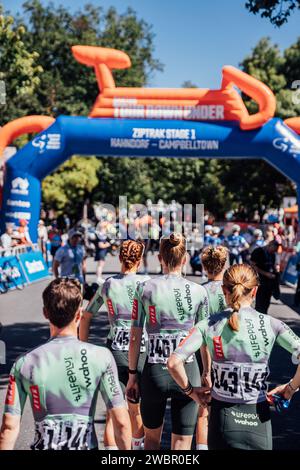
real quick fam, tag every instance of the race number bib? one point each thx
(244, 382)
(121, 336)
(66, 435)
(161, 346)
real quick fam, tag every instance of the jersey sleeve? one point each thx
(203, 310)
(138, 313)
(16, 394)
(285, 337)
(191, 344)
(110, 387)
(96, 302)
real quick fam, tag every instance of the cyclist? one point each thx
(240, 341)
(215, 239)
(214, 262)
(62, 379)
(169, 305)
(117, 292)
(208, 231)
(237, 245)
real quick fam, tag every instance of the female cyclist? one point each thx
(214, 260)
(169, 305)
(117, 292)
(240, 341)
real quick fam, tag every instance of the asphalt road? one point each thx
(25, 328)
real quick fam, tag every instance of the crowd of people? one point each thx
(205, 347)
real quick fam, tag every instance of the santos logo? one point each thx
(34, 266)
(20, 186)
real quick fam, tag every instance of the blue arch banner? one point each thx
(274, 142)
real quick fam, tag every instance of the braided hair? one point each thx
(131, 252)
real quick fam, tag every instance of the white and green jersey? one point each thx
(168, 306)
(239, 358)
(62, 379)
(215, 299)
(117, 292)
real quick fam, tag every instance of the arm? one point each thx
(103, 245)
(206, 361)
(132, 388)
(138, 320)
(55, 268)
(175, 364)
(84, 326)
(112, 395)
(262, 272)
(92, 309)
(14, 404)
(9, 431)
(122, 428)
(288, 340)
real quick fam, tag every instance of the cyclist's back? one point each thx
(62, 379)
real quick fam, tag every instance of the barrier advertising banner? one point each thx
(34, 266)
(11, 273)
(290, 274)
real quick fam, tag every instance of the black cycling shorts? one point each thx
(239, 426)
(157, 386)
(121, 358)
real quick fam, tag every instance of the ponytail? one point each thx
(239, 280)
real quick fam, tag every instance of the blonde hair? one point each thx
(239, 280)
(131, 252)
(172, 249)
(214, 259)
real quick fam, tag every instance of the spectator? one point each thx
(23, 234)
(42, 237)
(55, 239)
(102, 246)
(264, 260)
(7, 241)
(70, 258)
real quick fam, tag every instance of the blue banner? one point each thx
(11, 274)
(34, 266)
(290, 274)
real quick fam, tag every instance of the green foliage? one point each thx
(67, 188)
(43, 78)
(278, 11)
(19, 69)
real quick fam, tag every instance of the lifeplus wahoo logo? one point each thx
(188, 297)
(179, 304)
(85, 368)
(263, 330)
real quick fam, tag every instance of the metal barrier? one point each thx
(17, 250)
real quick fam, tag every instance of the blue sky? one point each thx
(195, 38)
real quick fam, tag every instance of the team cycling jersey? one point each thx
(117, 292)
(215, 299)
(240, 358)
(62, 379)
(236, 243)
(168, 306)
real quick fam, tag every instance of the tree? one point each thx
(278, 11)
(19, 69)
(66, 87)
(67, 188)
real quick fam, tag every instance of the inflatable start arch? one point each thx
(140, 122)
